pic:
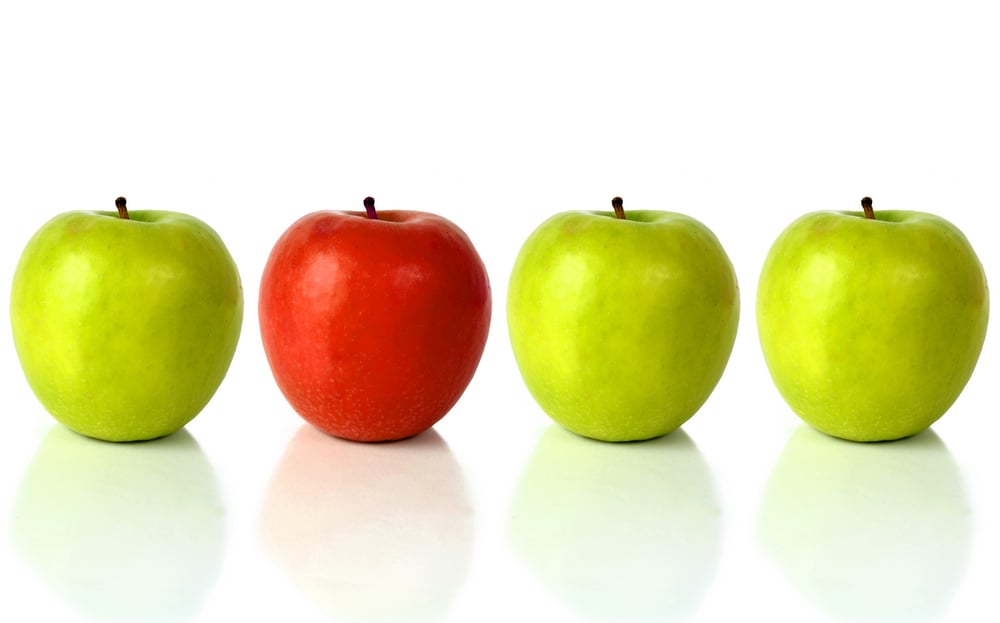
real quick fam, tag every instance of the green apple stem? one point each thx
(370, 208)
(866, 205)
(122, 211)
(619, 207)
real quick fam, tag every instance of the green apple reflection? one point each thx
(121, 531)
(619, 531)
(370, 532)
(868, 531)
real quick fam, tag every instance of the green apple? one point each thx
(125, 324)
(871, 324)
(622, 326)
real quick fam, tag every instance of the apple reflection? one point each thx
(370, 531)
(121, 531)
(619, 531)
(868, 531)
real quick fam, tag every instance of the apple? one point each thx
(871, 324)
(621, 326)
(373, 323)
(125, 324)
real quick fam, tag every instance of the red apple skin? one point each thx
(373, 328)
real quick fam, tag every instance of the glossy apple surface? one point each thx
(871, 327)
(125, 328)
(373, 327)
(622, 328)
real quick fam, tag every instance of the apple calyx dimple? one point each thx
(866, 205)
(618, 205)
(370, 208)
(122, 211)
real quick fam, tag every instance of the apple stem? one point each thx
(619, 207)
(866, 204)
(122, 211)
(370, 208)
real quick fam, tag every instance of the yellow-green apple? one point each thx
(125, 323)
(622, 325)
(871, 324)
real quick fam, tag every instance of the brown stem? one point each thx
(370, 208)
(866, 205)
(619, 207)
(120, 204)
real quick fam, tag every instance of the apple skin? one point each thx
(871, 328)
(622, 328)
(373, 328)
(125, 328)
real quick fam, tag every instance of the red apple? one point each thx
(374, 323)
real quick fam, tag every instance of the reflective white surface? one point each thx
(744, 115)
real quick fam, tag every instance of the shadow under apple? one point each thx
(619, 531)
(877, 531)
(368, 531)
(121, 531)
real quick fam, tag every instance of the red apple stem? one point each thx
(122, 211)
(370, 208)
(866, 205)
(619, 207)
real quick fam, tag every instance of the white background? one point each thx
(496, 115)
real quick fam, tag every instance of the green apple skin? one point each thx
(621, 328)
(871, 328)
(125, 328)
